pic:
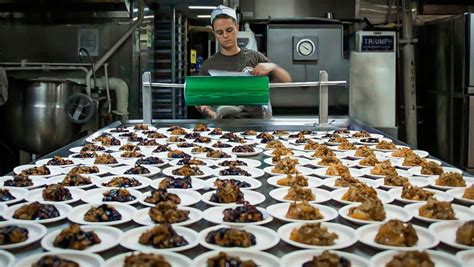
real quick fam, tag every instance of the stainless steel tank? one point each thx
(34, 115)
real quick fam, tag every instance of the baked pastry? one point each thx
(396, 233)
(337, 139)
(134, 138)
(469, 192)
(313, 234)
(303, 211)
(231, 237)
(452, 179)
(177, 154)
(36, 211)
(53, 260)
(12, 234)
(5, 195)
(224, 260)
(291, 180)
(386, 145)
(227, 192)
(286, 166)
(162, 236)
(138, 169)
(282, 151)
(364, 151)
(411, 258)
(59, 161)
(233, 163)
(412, 160)
(203, 139)
(384, 168)
(149, 161)
(338, 170)
(186, 145)
(201, 149)
(19, 181)
(311, 145)
(102, 213)
(329, 161)
(241, 184)
(75, 180)
(403, 152)
(92, 148)
(216, 131)
(110, 141)
(160, 195)
(369, 210)
(243, 214)
(249, 132)
(200, 127)
(395, 180)
(412, 192)
(243, 149)
(220, 144)
(322, 151)
(431, 168)
(167, 212)
(37, 170)
(181, 183)
(187, 170)
(56, 192)
(298, 193)
(84, 170)
(275, 144)
(371, 160)
(121, 181)
(465, 234)
(141, 127)
(161, 148)
(73, 237)
(361, 134)
(439, 210)
(132, 154)
(105, 159)
(347, 146)
(118, 195)
(346, 181)
(145, 260)
(85, 155)
(360, 193)
(327, 259)
(217, 154)
(234, 171)
(148, 142)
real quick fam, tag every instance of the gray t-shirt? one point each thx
(245, 58)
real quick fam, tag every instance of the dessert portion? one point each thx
(36, 211)
(369, 210)
(286, 166)
(329, 161)
(369, 161)
(156, 135)
(37, 170)
(161, 195)
(162, 236)
(469, 192)
(431, 168)
(73, 237)
(216, 131)
(231, 237)
(75, 180)
(200, 127)
(59, 161)
(227, 192)
(327, 259)
(175, 139)
(403, 152)
(363, 152)
(303, 211)
(311, 145)
(249, 132)
(203, 139)
(396, 233)
(282, 151)
(187, 170)
(416, 193)
(465, 234)
(234, 171)
(298, 193)
(102, 213)
(313, 234)
(181, 183)
(395, 180)
(242, 184)
(361, 134)
(55, 261)
(118, 195)
(323, 151)
(243, 149)
(121, 181)
(105, 159)
(384, 168)
(85, 155)
(132, 154)
(161, 148)
(224, 260)
(347, 146)
(338, 170)
(56, 192)
(232, 163)
(439, 210)
(5, 195)
(243, 214)
(386, 145)
(12, 234)
(201, 149)
(337, 139)
(149, 161)
(220, 144)
(217, 154)
(138, 169)
(141, 127)
(452, 179)
(291, 180)
(148, 142)
(411, 258)
(19, 181)
(92, 148)
(177, 154)
(145, 260)
(412, 160)
(346, 181)
(167, 212)
(370, 140)
(110, 141)
(84, 170)
(360, 193)
(188, 161)
(274, 144)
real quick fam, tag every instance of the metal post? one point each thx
(147, 98)
(409, 74)
(323, 97)
(173, 61)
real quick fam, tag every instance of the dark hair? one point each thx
(223, 16)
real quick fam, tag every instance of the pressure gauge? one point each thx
(305, 47)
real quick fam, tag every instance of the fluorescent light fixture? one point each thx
(204, 16)
(201, 7)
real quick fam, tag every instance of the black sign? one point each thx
(377, 43)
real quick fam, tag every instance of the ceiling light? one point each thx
(204, 16)
(201, 7)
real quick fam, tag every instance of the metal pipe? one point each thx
(323, 97)
(409, 74)
(147, 98)
(107, 86)
(24, 63)
(46, 68)
(271, 85)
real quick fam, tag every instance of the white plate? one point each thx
(243, 154)
(197, 184)
(417, 171)
(108, 235)
(359, 141)
(258, 257)
(37, 195)
(174, 259)
(330, 182)
(348, 163)
(296, 153)
(461, 212)
(77, 149)
(254, 183)
(77, 214)
(130, 239)
(188, 197)
(118, 155)
(81, 258)
(145, 182)
(52, 169)
(95, 196)
(302, 170)
(414, 180)
(466, 257)
(279, 211)
(250, 162)
(254, 172)
(439, 258)
(207, 163)
(3, 207)
(338, 193)
(63, 209)
(265, 238)
(37, 182)
(206, 172)
(298, 258)
(141, 216)
(321, 195)
(164, 155)
(432, 181)
(446, 232)
(301, 161)
(366, 235)
(58, 179)
(321, 172)
(133, 162)
(254, 198)
(102, 170)
(457, 193)
(18, 193)
(35, 232)
(346, 235)
(312, 181)
(6, 258)
(121, 170)
(366, 171)
(439, 195)
(216, 215)
(391, 211)
(45, 162)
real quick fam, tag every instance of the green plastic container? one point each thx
(223, 90)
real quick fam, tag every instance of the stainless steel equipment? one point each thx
(446, 89)
(34, 115)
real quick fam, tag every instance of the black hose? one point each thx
(83, 50)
